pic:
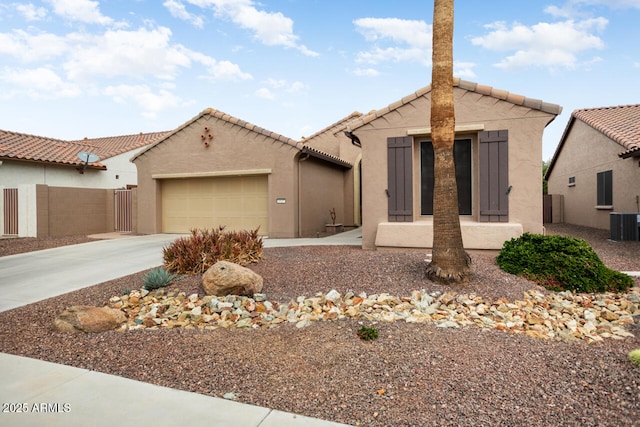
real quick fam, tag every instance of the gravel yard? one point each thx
(412, 375)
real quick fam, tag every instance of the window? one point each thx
(462, 157)
(572, 181)
(605, 188)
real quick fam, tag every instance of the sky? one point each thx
(71, 69)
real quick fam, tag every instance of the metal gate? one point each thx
(124, 203)
(10, 211)
(547, 209)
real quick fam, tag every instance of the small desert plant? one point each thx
(196, 253)
(634, 357)
(157, 278)
(367, 333)
(126, 292)
(560, 263)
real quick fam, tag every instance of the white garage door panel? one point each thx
(239, 203)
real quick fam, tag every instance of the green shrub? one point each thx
(634, 357)
(157, 278)
(367, 333)
(203, 248)
(560, 263)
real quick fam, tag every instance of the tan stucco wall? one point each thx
(64, 211)
(234, 150)
(585, 153)
(322, 189)
(525, 127)
(334, 142)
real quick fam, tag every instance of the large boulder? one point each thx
(83, 318)
(227, 278)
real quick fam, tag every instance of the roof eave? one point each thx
(630, 153)
(61, 164)
(326, 157)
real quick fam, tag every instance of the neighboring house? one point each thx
(596, 167)
(47, 190)
(29, 159)
(216, 170)
(498, 156)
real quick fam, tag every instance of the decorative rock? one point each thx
(227, 278)
(81, 318)
(332, 295)
(564, 315)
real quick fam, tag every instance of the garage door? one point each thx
(239, 203)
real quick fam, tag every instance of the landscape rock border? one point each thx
(562, 315)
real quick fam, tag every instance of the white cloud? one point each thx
(86, 11)
(179, 11)
(464, 70)
(126, 53)
(544, 44)
(150, 102)
(32, 47)
(31, 12)
(269, 28)
(285, 85)
(366, 72)
(265, 93)
(217, 70)
(410, 40)
(39, 83)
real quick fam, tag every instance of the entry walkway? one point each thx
(57, 395)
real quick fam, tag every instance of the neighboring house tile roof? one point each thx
(24, 147)
(233, 120)
(619, 123)
(532, 103)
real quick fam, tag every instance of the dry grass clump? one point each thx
(196, 253)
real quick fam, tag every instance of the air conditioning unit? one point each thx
(624, 226)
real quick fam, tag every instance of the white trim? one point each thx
(211, 174)
(459, 128)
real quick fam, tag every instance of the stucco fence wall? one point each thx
(45, 211)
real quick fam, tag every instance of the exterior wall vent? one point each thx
(624, 226)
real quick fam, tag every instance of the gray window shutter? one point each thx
(400, 176)
(494, 176)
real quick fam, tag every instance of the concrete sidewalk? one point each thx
(57, 395)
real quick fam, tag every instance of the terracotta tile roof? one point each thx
(620, 123)
(24, 147)
(532, 103)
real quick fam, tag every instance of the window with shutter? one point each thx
(462, 159)
(399, 174)
(494, 176)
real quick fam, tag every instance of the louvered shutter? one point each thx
(399, 174)
(494, 176)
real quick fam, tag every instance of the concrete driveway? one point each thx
(34, 276)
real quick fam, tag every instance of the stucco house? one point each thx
(595, 170)
(498, 154)
(217, 170)
(46, 189)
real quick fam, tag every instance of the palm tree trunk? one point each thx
(450, 262)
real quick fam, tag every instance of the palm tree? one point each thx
(450, 262)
